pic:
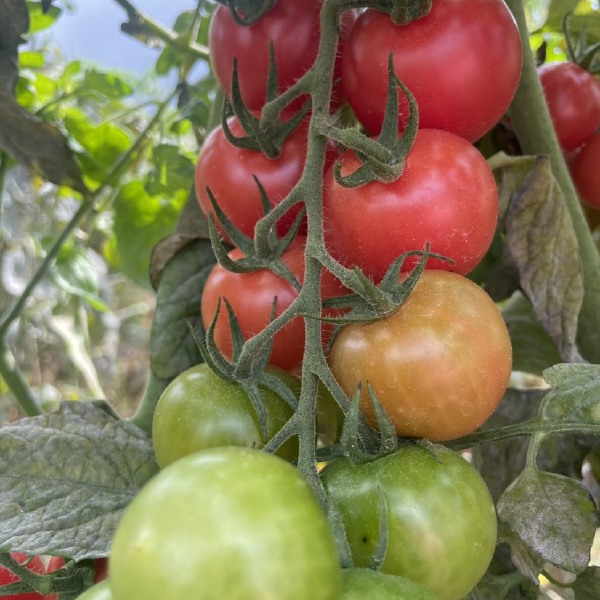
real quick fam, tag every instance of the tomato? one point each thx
(199, 410)
(36, 565)
(585, 171)
(441, 522)
(100, 591)
(237, 523)
(446, 196)
(359, 584)
(573, 99)
(251, 297)
(229, 173)
(461, 62)
(293, 29)
(439, 365)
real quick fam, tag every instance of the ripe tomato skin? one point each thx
(228, 172)
(36, 565)
(99, 591)
(439, 365)
(251, 297)
(461, 62)
(239, 524)
(440, 516)
(446, 196)
(585, 171)
(573, 99)
(198, 410)
(359, 584)
(293, 28)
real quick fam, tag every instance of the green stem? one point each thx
(532, 427)
(534, 130)
(3, 164)
(41, 271)
(312, 191)
(145, 413)
(154, 29)
(16, 383)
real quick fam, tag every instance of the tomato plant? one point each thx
(263, 533)
(358, 584)
(35, 564)
(293, 30)
(251, 296)
(573, 99)
(461, 62)
(585, 171)
(199, 410)
(229, 173)
(446, 196)
(441, 522)
(439, 365)
(236, 522)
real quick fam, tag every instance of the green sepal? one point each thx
(387, 164)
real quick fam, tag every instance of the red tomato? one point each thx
(585, 171)
(573, 99)
(228, 172)
(461, 62)
(36, 565)
(292, 27)
(251, 297)
(446, 196)
(439, 365)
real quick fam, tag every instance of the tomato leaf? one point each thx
(108, 85)
(65, 479)
(141, 220)
(575, 394)
(41, 15)
(173, 171)
(172, 347)
(75, 272)
(530, 565)
(587, 584)
(542, 242)
(509, 172)
(554, 516)
(100, 145)
(533, 349)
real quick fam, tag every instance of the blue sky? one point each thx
(92, 32)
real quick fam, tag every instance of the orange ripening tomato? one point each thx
(439, 365)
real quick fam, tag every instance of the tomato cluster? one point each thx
(243, 523)
(573, 99)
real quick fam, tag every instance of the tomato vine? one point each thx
(532, 179)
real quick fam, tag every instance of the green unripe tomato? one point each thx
(366, 584)
(441, 521)
(100, 591)
(199, 410)
(225, 524)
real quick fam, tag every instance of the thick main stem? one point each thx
(312, 183)
(536, 135)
